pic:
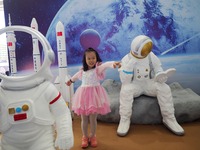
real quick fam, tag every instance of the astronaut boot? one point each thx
(173, 126)
(123, 127)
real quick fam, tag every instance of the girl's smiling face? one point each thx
(91, 59)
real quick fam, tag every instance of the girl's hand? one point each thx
(117, 64)
(98, 63)
(68, 83)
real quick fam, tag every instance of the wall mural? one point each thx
(173, 26)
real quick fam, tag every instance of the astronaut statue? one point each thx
(31, 108)
(141, 73)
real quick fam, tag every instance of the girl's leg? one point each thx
(84, 127)
(93, 127)
(93, 124)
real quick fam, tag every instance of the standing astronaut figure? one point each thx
(136, 74)
(31, 105)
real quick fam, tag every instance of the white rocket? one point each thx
(11, 43)
(60, 82)
(36, 51)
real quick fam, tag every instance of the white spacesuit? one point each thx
(141, 73)
(31, 107)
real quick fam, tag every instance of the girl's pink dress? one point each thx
(91, 97)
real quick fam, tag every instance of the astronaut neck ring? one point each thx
(48, 52)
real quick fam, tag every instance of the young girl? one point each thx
(91, 98)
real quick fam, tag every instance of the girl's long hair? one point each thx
(85, 66)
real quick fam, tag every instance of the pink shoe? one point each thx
(85, 141)
(93, 141)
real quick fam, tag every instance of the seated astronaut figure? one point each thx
(31, 107)
(141, 73)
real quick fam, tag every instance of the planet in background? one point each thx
(90, 38)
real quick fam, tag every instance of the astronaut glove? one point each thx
(161, 77)
(65, 138)
(64, 143)
(63, 125)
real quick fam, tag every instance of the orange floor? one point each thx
(141, 137)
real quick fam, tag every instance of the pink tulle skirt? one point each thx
(90, 100)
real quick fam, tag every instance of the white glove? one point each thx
(65, 137)
(162, 77)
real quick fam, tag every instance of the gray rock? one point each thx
(146, 109)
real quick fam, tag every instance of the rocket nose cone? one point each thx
(34, 24)
(59, 26)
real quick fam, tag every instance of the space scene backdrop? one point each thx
(173, 25)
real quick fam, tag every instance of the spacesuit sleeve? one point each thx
(63, 120)
(157, 66)
(126, 70)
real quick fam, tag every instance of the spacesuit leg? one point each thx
(125, 109)
(165, 101)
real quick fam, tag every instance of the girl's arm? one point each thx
(109, 64)
(74, 78)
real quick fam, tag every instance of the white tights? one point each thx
(92, 118)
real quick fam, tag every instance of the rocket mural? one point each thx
(36, 51)
(63, 76)
(11, 43)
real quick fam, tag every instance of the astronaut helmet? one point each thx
(21, 82)
(141, 46)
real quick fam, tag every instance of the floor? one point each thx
(141, 137)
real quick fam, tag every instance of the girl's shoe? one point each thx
(93, 141)
(85, 141)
